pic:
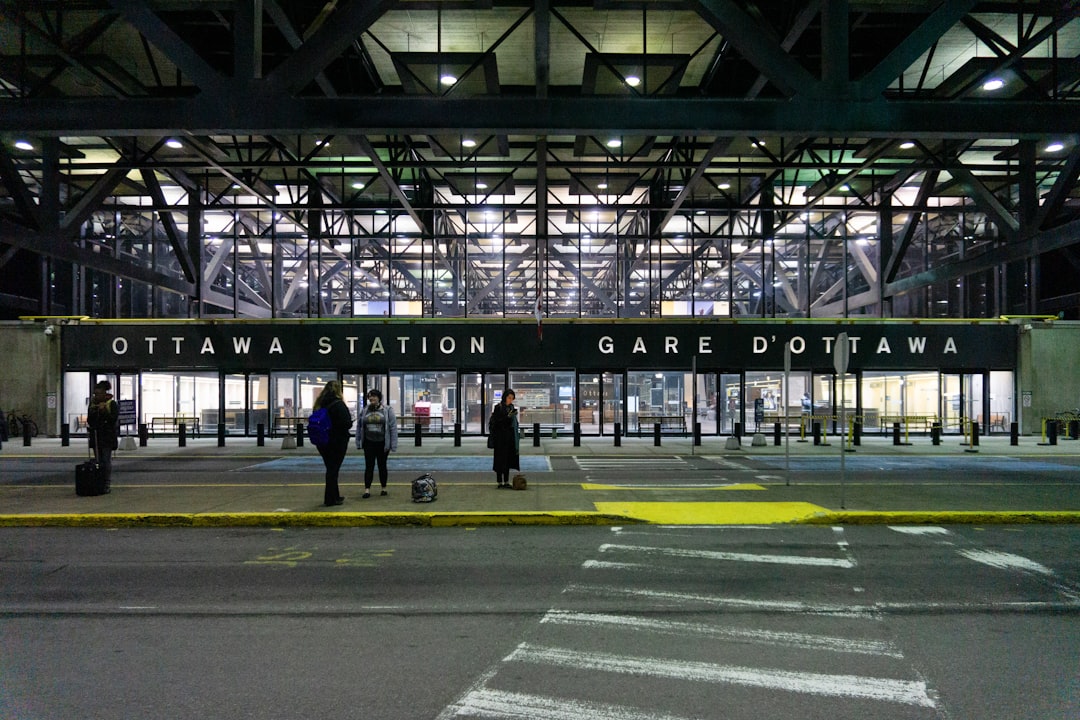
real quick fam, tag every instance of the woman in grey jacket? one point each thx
(377, 436)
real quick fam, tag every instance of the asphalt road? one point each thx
(643, 622)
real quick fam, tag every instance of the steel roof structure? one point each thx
(655, 158)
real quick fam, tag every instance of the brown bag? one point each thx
(519, 482)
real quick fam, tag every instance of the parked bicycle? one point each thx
(16, 423)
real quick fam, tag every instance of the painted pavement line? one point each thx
(803, 641)
(905, 692)
(731, 556)
(488, 703)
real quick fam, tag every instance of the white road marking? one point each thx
(842, 543)
(803, 641)
(736, 557)
(904, 692)
(1005, 561)
(915, 530)
(680, 599)
(604, 565)
(487, 703)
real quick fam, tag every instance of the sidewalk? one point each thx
(596, 483)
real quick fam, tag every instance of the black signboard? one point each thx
(382, 345)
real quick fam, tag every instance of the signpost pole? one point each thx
(787, 406)
(841, 357)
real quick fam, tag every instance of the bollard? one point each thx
(26, 434)
(1014, 433)
(618, 434)
(697, 434)
(65, 435)
(935, 434)
(417, 430)
(577, 434)
(457, 434)
(1074, 429)
(144, 434)
(221, 434)
(817, 432)
(299, 434)
(856, 430)
(182, 431)
(896, 433)
(776, 434)
(1051, 432)
(656, 434)
(536, 434)
(260, 435)
(974, 448)
(737, 432)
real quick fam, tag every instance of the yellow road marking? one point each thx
(712, 513)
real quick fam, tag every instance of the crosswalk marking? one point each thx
(803, 641)
(905, 692)
(681, 599)
(730, 556)
(488, 703)
(631, 464)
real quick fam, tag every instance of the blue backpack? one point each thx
(318, 428)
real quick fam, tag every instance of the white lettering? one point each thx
(423, 345)
(447, 345)
(207, 347)
(606, 345)
(178, 340)
(119, 346)
(476, 345)
(950, 346)
(760, 344)
(853, 343)
(275, 347)
(828, 343)
(352, 344)
(377, 347)
(150, 344)
(241, 346)
(403, 341)
(324, 346)
(797, 345)
(883, 346)
(917, 345)
(703, 345)
(671, 345)
(639, 346)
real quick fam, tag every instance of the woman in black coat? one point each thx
(333, 453)
(503, 429)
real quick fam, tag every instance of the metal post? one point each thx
(577, 434)
(144, 434)
(65, 435)
(536, 434)
(656, 434)
(182, 430)
(417, 430)
(457, 434)
(776, 434)
(618, 434)
(935, 434)
(697, 434)
(221, 434)
(896, 433)
(1014, 434)
(299, 434)
(260, 435)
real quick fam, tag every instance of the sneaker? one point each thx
(366, 495)
(383, 493)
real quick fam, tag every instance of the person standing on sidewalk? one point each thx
(333, 453)
(377, 436)
(103, 425)
(503, 440)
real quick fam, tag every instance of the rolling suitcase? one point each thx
(90, 477)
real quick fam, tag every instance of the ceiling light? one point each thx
(601, 186)
(633, 80)
(724, 186)
(448, 79)
(1055, 147)
(993, 84)
(614, 143)
(845, 187)
(481, 186)
(23, 145)
(468, 142)
(174, 144)
(358, 186)
(907, 145)
(758, 143)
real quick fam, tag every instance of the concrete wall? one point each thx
(1049, 371)
(29, 372)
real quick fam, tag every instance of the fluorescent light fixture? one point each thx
(993, 84)
(633, 80)
(907, 145)
(614, 143)
(724, 186)
(174, 144)
(358, 186)
(468, 142)
(448, 79)
(1055, 147)
(481, 186)
(23, 145)
(601, 186)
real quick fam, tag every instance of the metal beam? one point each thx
(248, 114)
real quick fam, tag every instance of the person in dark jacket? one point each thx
(333, 453)
(503, 428)
(103, 426)
(377, 436)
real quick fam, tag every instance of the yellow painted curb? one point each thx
(713, 513)
(944, 517)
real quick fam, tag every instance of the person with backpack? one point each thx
(377, 436)
(333, 442)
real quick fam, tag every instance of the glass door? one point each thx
(729, 405)
(962, 401)
(612, 402)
